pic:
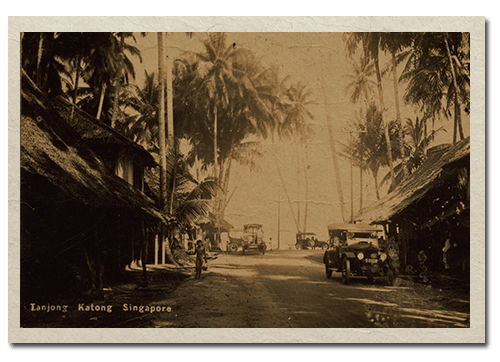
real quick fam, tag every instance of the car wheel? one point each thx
(310, 243)
(328, 271)
(346, 271)
(324, 246)
(233, 248)
(297, 246)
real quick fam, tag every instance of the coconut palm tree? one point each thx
(124, 64)
(216, 80)
(368, 143)
(395, 43)
(361, 83)
(438, 77)
(141, 109)
(295, 103)
(333, 149)
(416, 142)
(289, 104)
(188, 198)
(371, 45)
(272, 89)
(226, 91)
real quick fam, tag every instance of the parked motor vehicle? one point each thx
(235, 240)
(254, 238)
(250, 238)
(308, 240)
(355, 252)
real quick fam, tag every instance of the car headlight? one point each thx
(383, 256)
(360, 256)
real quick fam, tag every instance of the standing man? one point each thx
(201, 257)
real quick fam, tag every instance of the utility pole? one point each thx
(163, 154)
(279, 214)
(352, 188)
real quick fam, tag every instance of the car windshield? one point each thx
(236, 233)
(356, 237)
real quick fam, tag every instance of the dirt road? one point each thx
(289, 289)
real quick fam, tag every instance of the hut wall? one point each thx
(57, 236)
(125, 169)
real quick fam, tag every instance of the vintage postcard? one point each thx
(247, 180)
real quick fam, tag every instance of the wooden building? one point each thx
(81, 224)
(428, 208)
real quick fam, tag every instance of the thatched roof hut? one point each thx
(98, 134)
(432, 174)
(54, 151)
(422, 212)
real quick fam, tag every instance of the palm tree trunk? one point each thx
(398, 115)
(118, 82)
(161, 124)
(228, 200)
(367, 101)
(306, 192)
(172, 190)
(168, 251)
(284, 187)
(458, 116)
(360, 188)
(163, 153)
(375, 179)
(455, 125)
(222, 201)
(101, 101)
(225, 183)
(298, 181)
(170, 110)
(77, 77)
(460, 129)
(215, 142)
(386, 125)
(335, 161)
(49, 50)
(39, 62)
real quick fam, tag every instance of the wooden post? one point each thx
(156, 249)
(144, 252)
(352, 190)
(279, 215)
(163, 242)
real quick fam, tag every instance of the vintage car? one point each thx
(250, 238)
(308, 240)
(355, 252)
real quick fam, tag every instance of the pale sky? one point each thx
(313, 59)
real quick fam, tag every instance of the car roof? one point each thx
(355, 227)
(307, 233)
(252, 225)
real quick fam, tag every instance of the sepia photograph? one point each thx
(222, 180)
